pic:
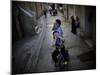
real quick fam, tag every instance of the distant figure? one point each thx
(77, 23)
(55, 12)
(45, 13)
(73, 28)
(50, 10)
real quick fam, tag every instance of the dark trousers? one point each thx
(74, 29)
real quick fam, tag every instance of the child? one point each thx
(58, 37)
(57, 30)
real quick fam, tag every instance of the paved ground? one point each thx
(41, 61)
(75, 46)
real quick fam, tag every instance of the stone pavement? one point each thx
(35, 54)
(73, 43)
(25, 51)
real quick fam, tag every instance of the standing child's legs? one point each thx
(53, 36)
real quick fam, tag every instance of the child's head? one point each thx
(77, 18)
(72, 17)
(58, 21)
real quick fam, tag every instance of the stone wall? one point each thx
(87, 16)
(24, 18)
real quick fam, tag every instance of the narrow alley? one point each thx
(33, 54)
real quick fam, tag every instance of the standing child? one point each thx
(58, 36)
